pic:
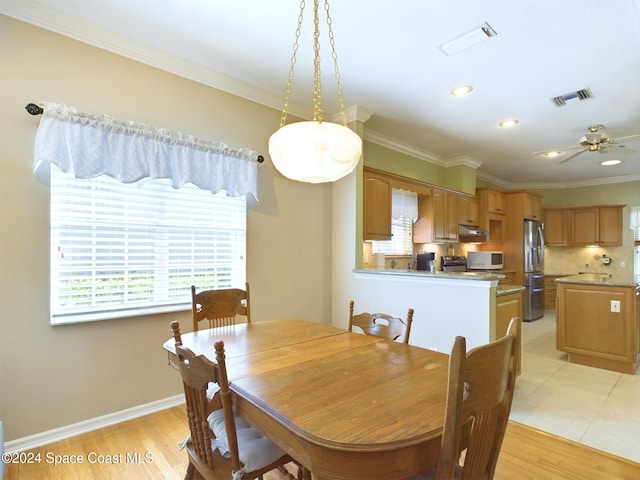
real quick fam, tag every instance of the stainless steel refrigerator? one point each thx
(533, 270)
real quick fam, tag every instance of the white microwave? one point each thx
(490, 260)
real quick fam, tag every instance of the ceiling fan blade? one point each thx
(573, 155)
(615, 149)
(542, 152)
(613, 140)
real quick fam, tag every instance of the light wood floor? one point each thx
(147, 449)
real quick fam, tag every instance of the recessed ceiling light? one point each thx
(461, 90)
(607, 163)
(552, 154)
(508, 123)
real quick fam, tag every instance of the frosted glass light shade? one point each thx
(315, 152)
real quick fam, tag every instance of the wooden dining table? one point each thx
(344, 405)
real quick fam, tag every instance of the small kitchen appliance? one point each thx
(423, 260)
(489, 260)
(453, 263)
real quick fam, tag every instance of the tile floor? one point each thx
(589, 405)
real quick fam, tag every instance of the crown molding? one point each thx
(69, 26)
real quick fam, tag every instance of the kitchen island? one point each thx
(598, 321)
(446, 304)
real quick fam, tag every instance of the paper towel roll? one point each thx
(379, 259)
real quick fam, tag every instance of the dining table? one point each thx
(344, 405)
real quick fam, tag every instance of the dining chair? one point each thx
(220, 307)
(381, 324)
(221, 445)
(479, 397)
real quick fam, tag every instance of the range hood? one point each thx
(471, 234)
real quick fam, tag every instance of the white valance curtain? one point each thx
(404, 203)
(90, 145)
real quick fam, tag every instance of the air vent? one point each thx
(572, 97)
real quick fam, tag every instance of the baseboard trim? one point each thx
(50, 436)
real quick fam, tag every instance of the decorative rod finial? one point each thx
(34, 109)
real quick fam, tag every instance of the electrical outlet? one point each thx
(615, 306)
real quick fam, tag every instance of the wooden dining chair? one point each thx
(221, 445)
(479, 397)
(382, 324)
(220, 307)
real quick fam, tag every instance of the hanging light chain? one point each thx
(317, 87)
(293, 62)
(334, 55)
(317, 81)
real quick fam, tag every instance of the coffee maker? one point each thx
(423, 260)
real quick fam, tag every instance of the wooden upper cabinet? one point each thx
(377, 207)
(556, 226)
(445, 216)
(596, 226)
(610, 226)
(469, 211)
(532, 207)
(496, 202)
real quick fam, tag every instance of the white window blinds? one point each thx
(404, 211)
(122, 249)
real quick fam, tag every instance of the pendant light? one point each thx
(315, 151)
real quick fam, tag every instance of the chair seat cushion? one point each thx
(255, 450)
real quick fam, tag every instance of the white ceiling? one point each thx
(390, 63)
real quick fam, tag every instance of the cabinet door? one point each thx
(495, 202)
(452, 217)
(377, 208)
(468, 211)
(610, 226)
(556, 227)
(439, 216)
(584, 226)
(532, 207)
(508, 306)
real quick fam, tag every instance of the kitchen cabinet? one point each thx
(377, 207)
(519, 208)
(508, 306)
(591, 331)
(468, 211)
(600, 225)
(495, 201)
(445, 216)
(532, 206)
(551, 290)
(556, 226)
(492, 211)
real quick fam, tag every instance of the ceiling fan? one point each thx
(593, 141)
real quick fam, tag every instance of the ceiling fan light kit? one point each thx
(315, 151)
(593, 141)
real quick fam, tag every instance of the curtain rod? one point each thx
(35, 109)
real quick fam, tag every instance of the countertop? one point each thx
(508, 289)
(596, 279)
(421, 273)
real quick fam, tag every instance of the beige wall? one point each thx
(56, 376)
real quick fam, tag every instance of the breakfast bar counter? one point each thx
(445, 304)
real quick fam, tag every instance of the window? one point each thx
(404, 211)
(128, 249)
(401, 242)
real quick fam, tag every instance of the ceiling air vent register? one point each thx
(572, 97)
